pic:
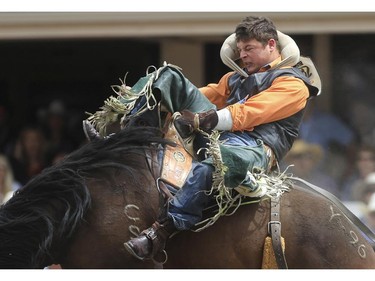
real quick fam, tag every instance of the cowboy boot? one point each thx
(252, 187)
(151, 241)
(90, 132)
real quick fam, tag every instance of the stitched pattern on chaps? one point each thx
(177, 162)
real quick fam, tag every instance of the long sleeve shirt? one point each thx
(286, 96)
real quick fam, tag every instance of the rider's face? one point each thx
(254, 54)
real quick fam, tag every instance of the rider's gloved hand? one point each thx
(188, 122)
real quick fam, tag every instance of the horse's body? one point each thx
(81, 211)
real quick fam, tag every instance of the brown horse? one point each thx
(80, 212)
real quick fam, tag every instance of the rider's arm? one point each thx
(218, 93)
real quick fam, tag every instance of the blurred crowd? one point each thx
(332, 155)
(328, 153)
(35, 146)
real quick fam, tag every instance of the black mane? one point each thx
(36, 223)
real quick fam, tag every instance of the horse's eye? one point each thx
(142, 122)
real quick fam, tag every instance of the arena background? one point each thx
(75, 57)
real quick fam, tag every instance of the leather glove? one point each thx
(189, 122)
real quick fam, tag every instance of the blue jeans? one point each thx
(186, 208)
(188, 203)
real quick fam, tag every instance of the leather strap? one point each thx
(274, 230)
(162, 187)
(155, 168)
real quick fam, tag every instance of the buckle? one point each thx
(272, 222)
(150, 233)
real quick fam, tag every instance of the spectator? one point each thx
(7, 183)
(28, 155)
(58, 156)
(368, 188)
(306, 158)
(364, 165)
(369, 218)
(336, 138)
(363, 119)
(325, 129)
(4, 129)
(55, 129)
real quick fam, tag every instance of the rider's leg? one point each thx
(178, 93)
(185, 210)
(151, 241)
(242, 155)
(171, 88)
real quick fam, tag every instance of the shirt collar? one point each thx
(270, 65)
